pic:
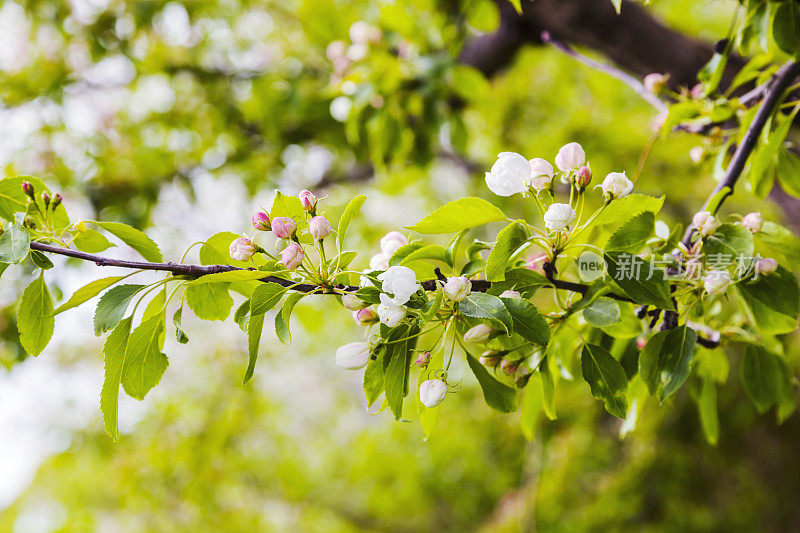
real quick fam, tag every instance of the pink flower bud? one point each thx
(697, 91)
(392, 241)
(766, 266)
(490, 358)
(365, 317)
(508, 366)
(570, 157)
(308, 200)
(242, 249)
(353, 302)
(753, 221)
(432, 392)
(478, 334)
(583, 176)
(261, 221)
(705, 223)
(283, 227)
(27, 188)
(696, 154)
(353, 356)
(655, 82)
(57, 200)
(319, 227)
(292, 256)
(457, 288)
(423, 359)
(641, 342)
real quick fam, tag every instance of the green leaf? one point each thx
(707, 409)
(114, 352)
(180, 335)
(91, 241)
(767, 380)
(664, 361)
(527, 321)
(788, 172)
(349, 213)
(433, 252)
(254, 329)
(286, 206)
(729, 243)
(531, 406)
(41, 260)
(617, 5)
(35, 317)
(396, 362)
(373, 380)
(786, 27)
(87, 292)
(774, 300)
(209, 301)
(631, 274)
(624, 209)
(144, 361)
(265, 297)
(498, 396)
(112, 306)
(509, 240)
(780, 243)
(459, 215)
(15, 243)
(632, 235)
(482, 305)
(517, 5)
(602, 312)
(215, 251)
(133, 238)
(767, 154)
(282, 318)
(466, 81)
(606, 378)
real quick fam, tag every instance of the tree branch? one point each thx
(772, 95)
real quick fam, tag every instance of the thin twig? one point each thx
(624, 77)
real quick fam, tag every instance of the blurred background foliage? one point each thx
(118, 102)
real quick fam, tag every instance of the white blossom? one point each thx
(717, 281)
(457, 288)
(353, 302)
(432, 392)
(559, 216)
(753, 221)
(242, 249)
(319, 228)
(570, 157)
(390, 314)
(379, 261)
(353, 356)
(705, 223)
(766, 266)
(616, 185)
(392, 241)
(478, 334)
(510, 174)
(400, 282)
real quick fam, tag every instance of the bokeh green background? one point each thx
(296, 449)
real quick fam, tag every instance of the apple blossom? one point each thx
(508, 366)
(242, 249)
(753, 221)
(283, 227)
(400, 282)
(489, 358)
(457, 288)
(390, 314)
(478, 334)
(308, 200)
(697, 91)
(353, 356)
(696, 154)
(353, 302)
(559, 216)
(535, 260)
(363, 32)
(510, 174)
(510, 294)
(423, 359)
(716, 281)
(379, 261)
(319, 227)
(392, 241)
(432, 392)
(583, 176)
(705, 223)
(570, 157)
(766, 266)
(365, 317)
(616, 185)
(292, 256)
(261, 221)
(655, 82)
